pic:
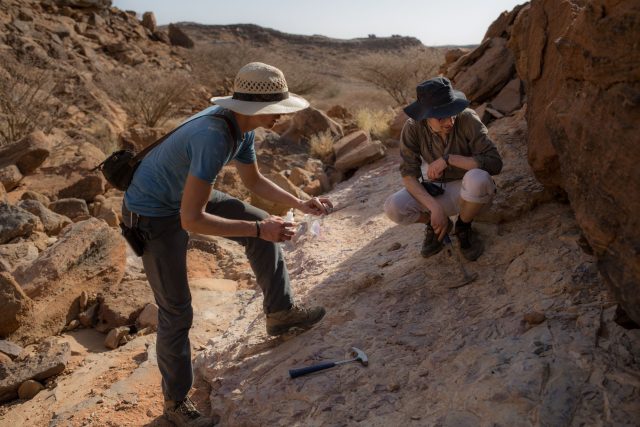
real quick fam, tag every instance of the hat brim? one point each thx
(286, 106)
(418, 112)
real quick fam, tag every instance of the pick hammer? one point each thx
(358, 354)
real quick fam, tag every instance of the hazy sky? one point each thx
(433, 22)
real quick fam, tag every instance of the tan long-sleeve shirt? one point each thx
(469, 137)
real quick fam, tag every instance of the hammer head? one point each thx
(360, 356)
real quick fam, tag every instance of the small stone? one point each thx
(534, 317)
(114, 337)
(29, 389)
(148, 317)
(73, 325)
(84, 299)
(88, 317)
(10, 349)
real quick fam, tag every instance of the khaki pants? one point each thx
(476, 186)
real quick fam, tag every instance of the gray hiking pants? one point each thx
(165, 264)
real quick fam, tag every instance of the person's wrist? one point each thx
(446, 159)
(257, 229)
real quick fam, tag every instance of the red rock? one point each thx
(583, 115)
(350, 142)
(15, 305)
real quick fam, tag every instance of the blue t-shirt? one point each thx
(200, 148)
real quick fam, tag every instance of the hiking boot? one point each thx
(184, 413)
(431, 245)
(297, 316)
(470, 244)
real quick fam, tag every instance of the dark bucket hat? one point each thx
(436, 99)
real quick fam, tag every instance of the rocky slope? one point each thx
(536, 340)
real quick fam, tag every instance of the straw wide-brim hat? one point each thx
(261, 89)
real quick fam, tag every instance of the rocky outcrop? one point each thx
(583, 99)
(177, 37)
(483, 72)
(88, 256)
(67, 172)
(26, 154)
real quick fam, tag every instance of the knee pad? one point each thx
(477, 186)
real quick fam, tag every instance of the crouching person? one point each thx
(172, 194)
(461, 158)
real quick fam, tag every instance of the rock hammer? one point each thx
(358, 354)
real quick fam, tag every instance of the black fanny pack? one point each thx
(433, 189)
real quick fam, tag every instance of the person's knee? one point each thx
(176, 316)
(477, 186)
(392, 211)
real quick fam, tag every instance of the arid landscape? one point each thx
(547, 335)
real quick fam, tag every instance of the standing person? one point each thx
(461, 158)
(172, 194)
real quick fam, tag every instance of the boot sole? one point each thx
(433, 252)
(275, 331)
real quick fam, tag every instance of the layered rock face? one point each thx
(581, 67)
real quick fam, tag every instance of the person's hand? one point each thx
(276, 229)
(439, 222)
(317, 206)
(436, 169)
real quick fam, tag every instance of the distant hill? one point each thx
(258, 35)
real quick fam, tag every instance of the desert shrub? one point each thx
(398, 73)
(321, 146)
(149, 96)
(375, 122)
(25, 89)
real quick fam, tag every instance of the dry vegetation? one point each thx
(399, 73)
(25, 92)
(375, 122)
(215, 66)
(149, 96)
(321, 146)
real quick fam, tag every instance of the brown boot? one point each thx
(184, 413)
(297, 316)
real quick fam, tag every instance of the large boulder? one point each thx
(583, 109)
(360, 155)
(149, 21)
(481, 73)
(15, 305)
(177, 37)
(14, 254)
(27, 154)
(52, 222)
(122, 305)
(310, 122)
(88, 256)
(67, 172)
(10, 176)
(16, 222)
